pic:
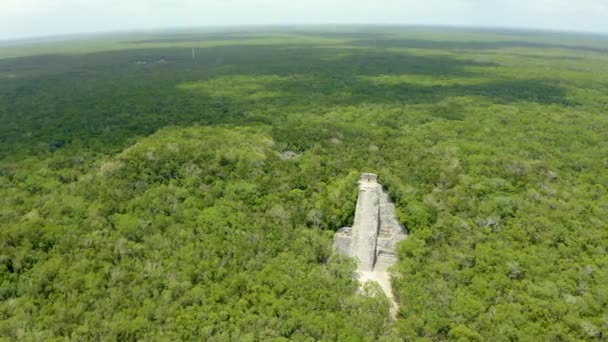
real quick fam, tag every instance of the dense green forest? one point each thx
(146, 195)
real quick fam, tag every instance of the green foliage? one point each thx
(182, 199)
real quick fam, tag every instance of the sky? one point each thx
(33, 18)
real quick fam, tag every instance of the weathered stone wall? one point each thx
(391, 231)
(343, 241)
(376, 230)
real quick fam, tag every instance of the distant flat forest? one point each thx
(186, 185)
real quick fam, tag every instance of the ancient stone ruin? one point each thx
(373, 238)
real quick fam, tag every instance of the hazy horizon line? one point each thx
(227, 28)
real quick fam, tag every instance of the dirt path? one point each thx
(383, 279)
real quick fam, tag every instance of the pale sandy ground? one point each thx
(382, 277)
